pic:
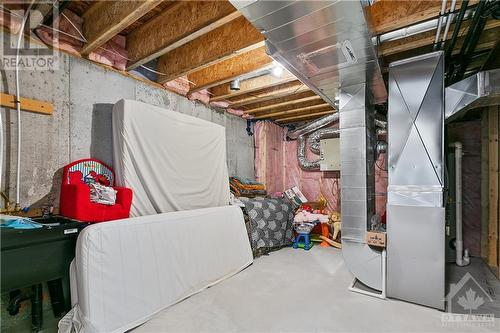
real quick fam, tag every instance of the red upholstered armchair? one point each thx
(75, 192)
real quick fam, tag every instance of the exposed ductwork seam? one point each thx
(311, 127)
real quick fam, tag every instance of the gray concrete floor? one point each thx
(297, 291)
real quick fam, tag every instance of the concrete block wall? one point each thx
(83, 94)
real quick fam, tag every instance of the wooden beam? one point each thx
(388, 15)
(292, 105)
(106, 19)
(493, 176)
(230, 69)
(294, 119)
(284, 90)
(278, 100)
(295, 111)
(222, 92)
(178, 25)
(27, 104)
(286, 102)
(427, 38)
(235, 37)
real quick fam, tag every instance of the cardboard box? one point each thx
(376, 238)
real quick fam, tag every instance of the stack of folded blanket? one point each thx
(245, 187)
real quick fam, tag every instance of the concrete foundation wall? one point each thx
(83, 94)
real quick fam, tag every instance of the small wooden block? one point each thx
(27, 104)
(376, 238)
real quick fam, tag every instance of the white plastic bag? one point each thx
(102, 194)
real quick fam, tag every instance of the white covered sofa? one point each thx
(128, 270)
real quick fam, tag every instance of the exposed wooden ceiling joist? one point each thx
(288, 113)
(391, 15)
(295, 119)
(235, 37)
(299, 104)
(223, 91)
(230, 69)
(306, 96)
(283, 90)
(178, 25)
(105, 19)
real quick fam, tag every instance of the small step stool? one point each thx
(306, 244)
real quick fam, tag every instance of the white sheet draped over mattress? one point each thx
(126, 271)
(170, 160)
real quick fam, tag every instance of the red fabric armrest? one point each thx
(74, 198)
(123, 196)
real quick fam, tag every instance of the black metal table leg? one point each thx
(36, 307)
(56, 297)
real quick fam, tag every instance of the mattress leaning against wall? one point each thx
(170, 160)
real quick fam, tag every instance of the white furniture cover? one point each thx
(170, 160)
(126, 271)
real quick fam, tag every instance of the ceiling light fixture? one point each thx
(235, 85)
(277, 70)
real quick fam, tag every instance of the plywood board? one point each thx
(27, 104)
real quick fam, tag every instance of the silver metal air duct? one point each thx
(313, 143)
(415, 207)
(301, 156)
(323, 133)
(327, 45)
(313, 126)
(479, 90)
(357, 172)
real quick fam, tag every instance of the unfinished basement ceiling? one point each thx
(209, 44)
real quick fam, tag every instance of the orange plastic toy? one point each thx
(322, 230)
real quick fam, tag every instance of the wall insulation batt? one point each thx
(170, 160)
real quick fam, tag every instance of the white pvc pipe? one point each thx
(415, 29)
(440, 20)
(462, 257)
(449, 18)
(18, 103)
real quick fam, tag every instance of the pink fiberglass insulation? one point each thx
(234, 112)
(313, 184)
(113, 53)
(179, 85)
(10, 22)
(202, 96)
(269, 152)
(219, 104)
(68, 38)
(47, 36)
(269, 145)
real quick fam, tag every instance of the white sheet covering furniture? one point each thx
(170, 160)
(126, 271)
